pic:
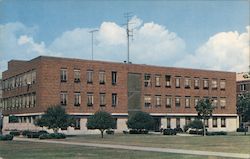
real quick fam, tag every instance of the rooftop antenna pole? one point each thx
(129, 33)
(92, 42)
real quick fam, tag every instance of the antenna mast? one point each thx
(92, 42)
(129, 32)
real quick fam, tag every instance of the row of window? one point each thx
(196, 84)
(243, 87)
(89, 75)
(90, 99)
(158, 101)
(18, 102)
(24, 79)
(188, 120)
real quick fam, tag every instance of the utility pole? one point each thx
(92, 42)
(129, 33)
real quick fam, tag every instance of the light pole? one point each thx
(92, 42)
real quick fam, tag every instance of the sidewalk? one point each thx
(139, 148)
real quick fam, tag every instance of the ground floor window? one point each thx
(223, 122)
(206, 122)
(77, 124)
(168, 122)
(215, 122)
(178, 122)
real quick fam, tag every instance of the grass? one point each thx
(27, 150)
(230, 143)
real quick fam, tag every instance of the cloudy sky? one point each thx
(195, 34)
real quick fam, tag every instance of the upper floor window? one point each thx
(102, 99)
(147, 80)
(187, 82)
(168, 101)
(77, 76)
(77, 101)
(196, 83)
(147, 101)
(157, 80)
(33, 78)
(158, 100)
(196, 100)
(102, 77)
(63, 98)
(187, 102)
(114, 77)
(222, 84)
(168, 80)
(215, 102)
(64, 75)
(177, 101)
(223, 102)
(90, 99)
(205, 83)
(90, 76)
(177, 82)
(114, 99)
(214, 84)
(242, 87)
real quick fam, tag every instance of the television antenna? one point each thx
(129, 32)
(92, 42)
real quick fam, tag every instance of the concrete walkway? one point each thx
(139, 148)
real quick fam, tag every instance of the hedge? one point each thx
(7, 137)
(169, 131)
(53, 136)
(134, 131)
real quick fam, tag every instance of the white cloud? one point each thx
(223, 51)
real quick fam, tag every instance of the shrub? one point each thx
(196, 131)
(185, 128)
(216, 133)
(178, 130)
(135, 131)
(52, 136)
(110, 132)
(169, 132)
(15, 133)
(34, 134)
(241, 129)
(26, 132)
(6, 137)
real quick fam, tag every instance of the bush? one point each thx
(169, 132)
(52, 136)
(7, 137)
(15, 133)
(241, 129)
(185, 128)
(33, 134)
(216, 133)
(25, 132)
(110, 132)
(178, 130)
(135, 131)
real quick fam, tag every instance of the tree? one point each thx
(243, 108)
(101, 120)
(54, 118)
(140, 120)
(204, 109)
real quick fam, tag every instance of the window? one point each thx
(114, 77)
(242, 87)
(63, 97)
(177, 101)
(77, 99)
(223, 102)
(178, 122)
(147, 101)
(168, 80)
(168, 101)
(33, 78)
(158, 100)
(102, 99)
(147, 80)
(206, 122)
(223, 122)
(77, 124)
(157, 80)
(214, 84)
(215, 102)
(187, 102)
(77, 76)
(177, 82)
(63, 75)
(187, 120)
(215, 122)
(187, 82)
(90, 99)
(205, 84)
(102, 77)
(196, 100)
(168, 122)
(222, 84)
(114, 99)
(90, 76)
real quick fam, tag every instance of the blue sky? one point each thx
(169, 33)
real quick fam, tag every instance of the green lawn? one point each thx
(28, 150)
(229, 143)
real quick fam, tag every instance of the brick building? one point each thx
(243, 83)
(84, 87)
